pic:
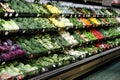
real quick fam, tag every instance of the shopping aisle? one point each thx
(108, 72)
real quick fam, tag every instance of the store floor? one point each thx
(110, 71)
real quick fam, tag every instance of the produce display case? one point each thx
(54, 40)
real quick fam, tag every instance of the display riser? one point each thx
(82, 69)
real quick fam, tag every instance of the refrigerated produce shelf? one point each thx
(71, 66)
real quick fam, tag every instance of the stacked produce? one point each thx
(110, 12)
(23, 6)
(71, 9)
(53, 9)
(110, 32)
(76, 53)
(86, 22)
(5, 8)
(83, 52)
(94, 21)
(16, 69)
(97, 34)
(10, 50)
(65, 45)
(2, 9)
(76, 22)
(64, 9)
(83, 36)
(44, 23)
(61, 22)
(44, 43)
(23, 23)
(66, 21)
(112, 21)
(103, 46)
(114, 43)
(77, 37)
(31, 67)
(35, 23)
(69, 38)
(37, 44)
(57, 23)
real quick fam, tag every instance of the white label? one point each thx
(6, 14)
(3, 63)
(75, 15)
(54, 65)
(62, 15)
(16, 15)
(10, 14)
(43, 69)
(79, 15)
(23, 31)
(59, 63)
(6, 33)
(38, 15)
(67, 28)
(49, 52)
(72, 46)
(43, 30)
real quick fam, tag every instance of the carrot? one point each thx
(86, 22)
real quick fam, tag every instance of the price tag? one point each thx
(67, 28)
(63, 48)
(71, 15)
(79, 15)
(73, 59)
(6, 14)
(71, 46)
(59, 64)
(10, 14)
(76, 27)
(84, 15)
(43, 30)
(98, 15)
(16, 15)
(62, 15)
(88, 15)
(75, 15)
(6, 33)
(90, 53)
(54, 65)
(49, 52)
(23, 31)
(43, 69)
(38, 15)
(3, 63)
